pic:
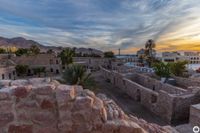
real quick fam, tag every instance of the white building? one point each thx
(170, 56)
(193, 58)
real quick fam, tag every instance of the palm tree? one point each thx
(149, 49)
(77, 75)
(34, 49)
(21, 70)
(67, 56)
(178, 68)
(50, 51)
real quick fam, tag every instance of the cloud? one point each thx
(102, 24)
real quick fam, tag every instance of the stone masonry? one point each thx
(171, 103)
(45, 106)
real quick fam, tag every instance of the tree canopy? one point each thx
(108, 54)
(22, 51)
(50, 51)
(76, 75)
(178, 68)
(149, 52)
(21, 69)
(35, 49)
(167, 69)
(67, 56)
(39, 70)
(162, 69)
(2, 51)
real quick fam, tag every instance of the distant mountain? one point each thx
(18, 42)
(21, 42)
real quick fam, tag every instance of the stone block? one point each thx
(82, 103)
(44, 89)
(64, 94)
(19, 82)
(37, 81)
(21, 92)
(5, 83)
(26, 105)
(20, 129)
(43, 118)
(6, 106)
(47, 104)
(6, 118)
(46, 130)
(4, 94)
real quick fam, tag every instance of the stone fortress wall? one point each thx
(45, 106)
(169, 102)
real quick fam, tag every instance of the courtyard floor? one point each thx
(128, 105)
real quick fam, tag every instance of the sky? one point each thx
(104, 24)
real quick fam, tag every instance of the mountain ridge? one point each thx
(21, 42)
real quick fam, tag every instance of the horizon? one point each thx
(104, 25)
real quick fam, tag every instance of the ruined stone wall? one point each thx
(164, 106)
(93, 62)
(187, 82)
(160, 103)
(182, 106)
(44, 106)
(169, 102)
(195, 115)
(156, 85)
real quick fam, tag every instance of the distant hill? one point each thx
(18, 42)
(21, 42)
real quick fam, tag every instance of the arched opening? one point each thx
(57, 71)
(3, 76)
(9, 75)
(153, 88)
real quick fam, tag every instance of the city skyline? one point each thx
(103, 24)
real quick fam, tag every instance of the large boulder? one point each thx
(44, 106)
